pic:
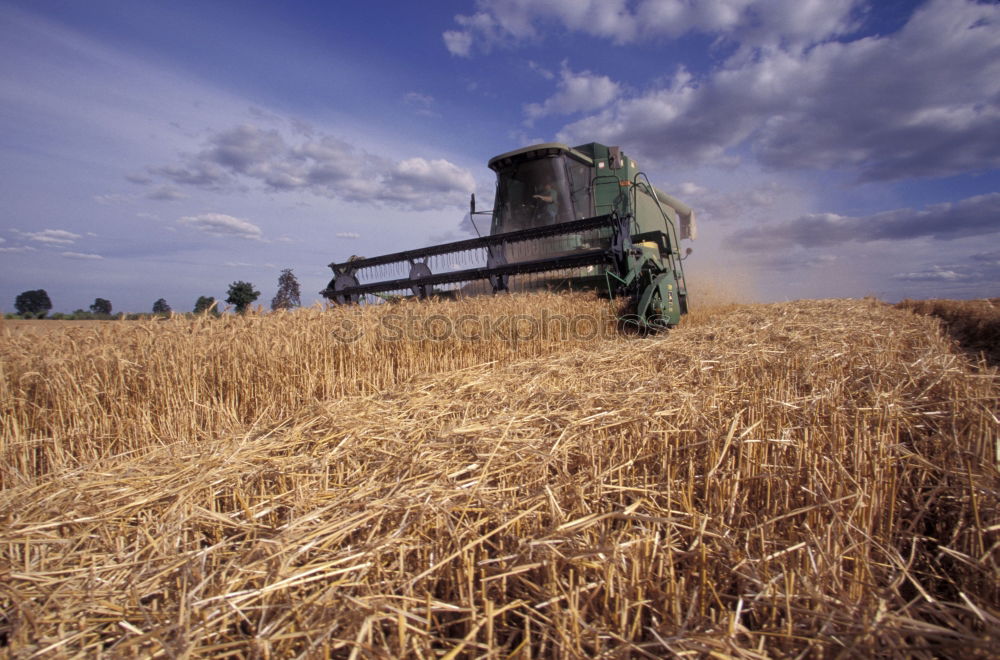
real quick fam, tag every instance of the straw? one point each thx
(814, 478)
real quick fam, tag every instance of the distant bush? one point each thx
(242, 294)
(83, 315)
(101, 306)
(161, 307)
(206, 304)
(33, 304)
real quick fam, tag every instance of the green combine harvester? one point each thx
(583, 217)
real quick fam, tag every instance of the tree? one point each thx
(204, 304)
(241, 294)
(33, 303)
(101, 306)
(288, 292)
(161, 306)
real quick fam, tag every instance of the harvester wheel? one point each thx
(338, 283)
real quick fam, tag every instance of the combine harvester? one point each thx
(582, 217)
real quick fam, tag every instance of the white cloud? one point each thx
(195, 172)
(932, 274)
(974, 275)
(52, 236)
(322, 165)
(576, 92)
(81, 255)
(419, 182)
(137, 178)
(348, 234)
(221, 225)
(753, 23)
(540, 70)
(500, 22)
(667, 124)
(458, 42)
(690, 188)
(14, 250)
(166, 193)
(2, 239)
(111, 199)
(974, 216)
(919, 102)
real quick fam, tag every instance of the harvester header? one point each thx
(580, 217)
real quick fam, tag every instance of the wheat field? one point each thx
(501, 477)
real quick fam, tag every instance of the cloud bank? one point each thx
(318, 164)
(906, 105)
(974, 216)
(52, 236)
(752, 22)
(794, 91)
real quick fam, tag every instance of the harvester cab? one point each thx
(584, 217)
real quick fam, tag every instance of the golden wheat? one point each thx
(814, 478)
(72, 397)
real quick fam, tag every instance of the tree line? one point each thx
(36, 304)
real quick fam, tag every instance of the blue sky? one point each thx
(830, 147)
